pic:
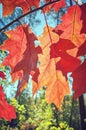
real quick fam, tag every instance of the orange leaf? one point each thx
(16, 46)
(57, 88)
(56, 6)
(10, 5)
(54, 81)
(71, 26)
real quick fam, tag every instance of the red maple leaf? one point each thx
(56, 6)
(7, 111)
(16, 46)
(79, 80)
(82, 50)
(60, 46)
(28, 64)
(22, 60)
(10, 5)
(83, 17)
(67, 63)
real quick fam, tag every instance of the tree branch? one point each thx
(16, 20)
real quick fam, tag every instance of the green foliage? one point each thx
(68, 112)
(36, 114)
(47, 117)
(40, 114)
(64, 126)
(20, 110)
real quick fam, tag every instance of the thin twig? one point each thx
(70, 2)
(2, 29)
(47, 26)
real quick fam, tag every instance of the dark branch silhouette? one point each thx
(17, 19)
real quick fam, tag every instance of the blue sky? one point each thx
(0, 11)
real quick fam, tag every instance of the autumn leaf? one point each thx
(2, 75)
(82, 50)
(44, 58)
(22, 56)
(53, 80)
(26, 5)
(83, 17)
(16, 46)
(7, 111)
(67, 63)
(28, 63)
(79, 80)
(56, 6)
(34, 3)
(56, 84)
(35, 75)
(9, 6)
(60, 46)
(71, 26)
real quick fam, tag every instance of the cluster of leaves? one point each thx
(59, 52)
(68, 112)
(20, 109)
(64, 126)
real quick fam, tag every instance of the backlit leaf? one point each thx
(71, 26)
(7, 111)
(79, 77)
(56, 6)
(28, 63)
(67, 63)
(53, 80)
(10, 5)
(16, 46)
(83, 17)
(82, 50)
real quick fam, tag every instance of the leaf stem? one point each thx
(47, 26)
